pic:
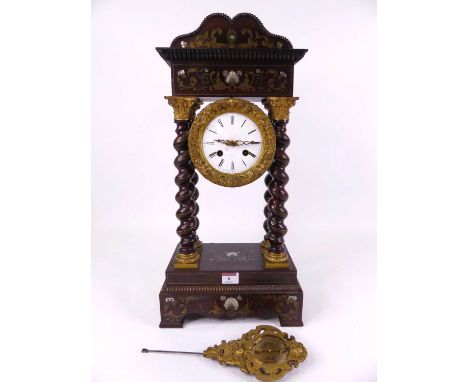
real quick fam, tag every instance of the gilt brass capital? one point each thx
(278, 107)
(184, 107)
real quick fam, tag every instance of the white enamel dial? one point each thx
(232, 143)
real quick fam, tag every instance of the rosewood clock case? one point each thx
(231, 57)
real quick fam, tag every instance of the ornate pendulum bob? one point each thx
(264, 352)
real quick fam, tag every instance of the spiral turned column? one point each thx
(186, 179)
(194, 181)
(274, 250)
(266, 211)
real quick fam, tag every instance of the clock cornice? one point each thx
(236, 57)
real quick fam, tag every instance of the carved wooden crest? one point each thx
(243, 31)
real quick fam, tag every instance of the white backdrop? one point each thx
(332, 190)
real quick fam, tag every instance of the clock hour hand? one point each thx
(238, 142)
(227, 142)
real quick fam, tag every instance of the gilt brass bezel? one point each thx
(249, 110)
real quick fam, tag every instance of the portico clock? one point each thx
(235, 65)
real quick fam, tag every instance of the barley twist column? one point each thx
(275, 255)
(186, 179)
(266, 211)
(194, 181)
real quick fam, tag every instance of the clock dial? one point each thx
(232, 143)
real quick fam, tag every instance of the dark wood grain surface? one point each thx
(216, 258)
(260, 293)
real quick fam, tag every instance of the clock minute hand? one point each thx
(249, 143)
(238, 142)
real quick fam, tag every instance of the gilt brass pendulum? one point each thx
(266, 352)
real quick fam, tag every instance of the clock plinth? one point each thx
(254, 292)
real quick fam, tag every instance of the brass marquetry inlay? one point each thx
(221, 38)
(243, 31)
(252, 80)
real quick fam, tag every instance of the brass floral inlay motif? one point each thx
(220, 38)
(200, 79)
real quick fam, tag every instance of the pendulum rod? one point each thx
(170, 351)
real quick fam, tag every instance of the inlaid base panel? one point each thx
(231, 282)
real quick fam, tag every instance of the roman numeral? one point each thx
(219, 121)
(208, 143)
(212, 154)
(250, 132)
(243, 122)
(221, 163)
(232, 120)
(232, 166)
(214, 132)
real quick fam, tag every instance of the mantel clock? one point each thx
(235, 63)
